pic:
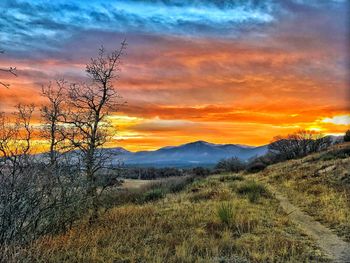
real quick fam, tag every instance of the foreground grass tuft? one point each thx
(253, 191)
(225, 213)
(153, 195)
(227, 178)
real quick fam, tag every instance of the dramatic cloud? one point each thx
(45, 25)
(201, 69)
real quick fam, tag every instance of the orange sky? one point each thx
(271, 80)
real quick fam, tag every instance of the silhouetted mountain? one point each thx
(199, 153)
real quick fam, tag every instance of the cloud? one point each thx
(158, 125)
(338, 120)
(46, 25)
(197, 69)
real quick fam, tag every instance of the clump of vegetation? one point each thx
(149, 173)
(233, 165)
(347, 136)
(200, 171)
(253, 191)
(253, 197)
(230, 178)
(292, 146)
(335, 153)
(298, 144)
(153, 195)
(177, 184)
(36, 198)
(210, 194)
(47, 193)
(251, 186)
(225, 212)
(257, 164)
(146, 193)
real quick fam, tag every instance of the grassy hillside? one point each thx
(218, 219)
(319, 184)
(222, 218)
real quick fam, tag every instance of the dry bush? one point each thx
(298, 144)
(36, 199)
(233, 165)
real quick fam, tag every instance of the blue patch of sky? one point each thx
(48, 24)
(40, 23)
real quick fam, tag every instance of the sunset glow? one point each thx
(241, 72)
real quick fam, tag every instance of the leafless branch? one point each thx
(11, 70)
(90, 104)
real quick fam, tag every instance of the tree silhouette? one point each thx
(90, 104)
(10, 70)
(347, 136)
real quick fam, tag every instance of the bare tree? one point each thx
(90, 106)
(15, 146)
(347, 136)
(11, 70)
(232, 164)
(33, 200)
(15, 138)
(298, 144)
(53, 116)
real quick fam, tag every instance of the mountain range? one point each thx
(199, 153)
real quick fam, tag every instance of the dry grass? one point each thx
(181, 228)
(136, 183)
(319, 184)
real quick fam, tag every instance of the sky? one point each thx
(221, 71)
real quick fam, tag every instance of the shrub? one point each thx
(146, 193)
(153, 195)
(347, 136)
(253, 190)
(116, 197)
(256, 166)
(260, 163)
(230, 165)
(177, 184)
(298, 144)
(225, 213)
(38, 203)
(148, 173)
(171, 185)
(339, 154)
(210, 194)
(203, 195)
(200, 171)
(253, 197)
(228, 178)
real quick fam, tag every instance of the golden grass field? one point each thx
(215, 219)
(135, 183)
(184, 228)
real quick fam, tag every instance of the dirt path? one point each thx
(336, 248)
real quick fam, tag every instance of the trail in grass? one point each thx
(335, 247)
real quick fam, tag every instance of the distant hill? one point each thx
(199, 153)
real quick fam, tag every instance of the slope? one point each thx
(319, 184)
